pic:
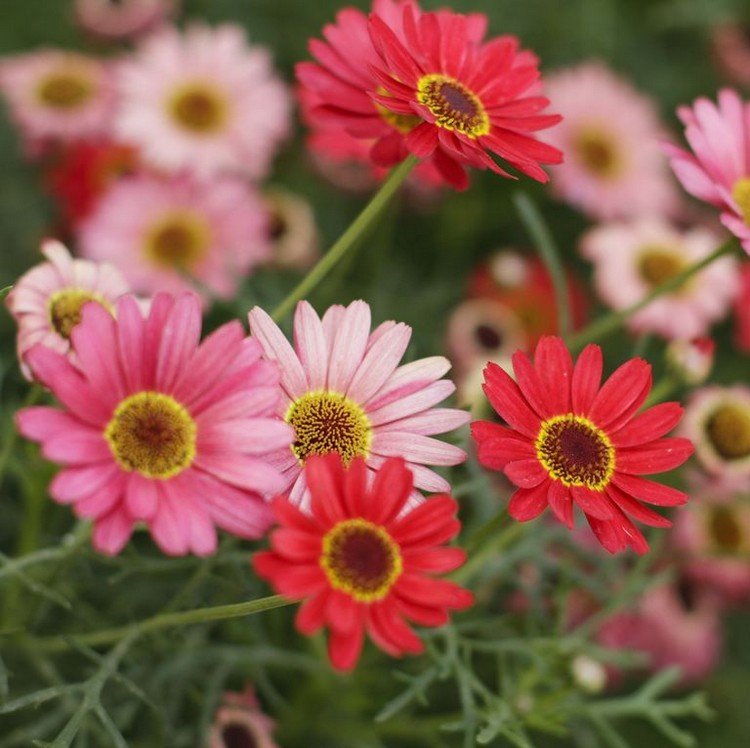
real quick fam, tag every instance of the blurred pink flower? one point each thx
(345, 392)
(610, 135)
(240, 723)
(122, 19)
(46, 301)
(159, 428)
(292, 230)
(731, 48)
(55, 95)
(163, 232)
(631, 259)
(691, 360)
(742, 311)
(205, 101)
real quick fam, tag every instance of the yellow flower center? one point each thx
(741, 195)
(326, 422)
(657, 265)
(597, 151)
(404, 123)
(361, 559)
(455, 107)
(575, 451)
(65, 89)
(152, 434)
(728, 429)
(66, 306)
(725, 530)
(200, 108)
(178, 239)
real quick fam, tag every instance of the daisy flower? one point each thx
(292, 230)
(632, 259)
(360, 563)
(46, 302)
(345, 392)
(159, 428)
(571, 440)
(691, 361)
(461, 101)
(205, 101)
(58, 95)
(717, 168)
(717, 420)
(240, 722)
(611, 135)
(122, 19)
(163, 231)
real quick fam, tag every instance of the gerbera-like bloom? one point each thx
(159, 428)
(570, 440)
(58, 95)
(632, 259)
(611, 134)
(717, 420)
(362, 564)
(292, 230)
(47, 301)
(240, 723)
(691, 361)
(162, 231)
(742, 311)
(204, 101)
(717, 169)
(83, 173)
(122, 19)
(345, 392)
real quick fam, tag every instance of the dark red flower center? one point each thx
(361, 559)
(238, 736)
(453, 105)
(575, 451)
(728, 428)
(488, 337)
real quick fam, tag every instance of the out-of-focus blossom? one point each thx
(572, 441)
(84, 171)
(47, 301)
(742, 311)
(204, 100)
(610, 135)
(292, 231)
(717, 167)
(361, 562)
(731, 48)
(589, 674)
(157, 427)
(631, 259)
(165, 232)
(717, 420)
(345, 392)
(691, 361)
(122, 19)
(56, 95)
(240, 723)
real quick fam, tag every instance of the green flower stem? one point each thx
(164, 620)
(548, 251)
(348, 239)
(612, 321)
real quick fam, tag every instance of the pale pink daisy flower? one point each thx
(58, 95)
(163, 232)
(717, 421)
(718, 168)
(345, 392)
(241, 723)
(204, 100)
(292, 229)
(122, 19)
(159, 428)
(46, 301)
(631, 259)
(610, 134)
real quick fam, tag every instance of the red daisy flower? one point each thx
(574, 441)
(361, 564)
(464, 98)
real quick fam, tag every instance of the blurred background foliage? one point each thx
(412, 268)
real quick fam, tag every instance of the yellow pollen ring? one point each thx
(361, 559)
(199, 107)
(152, 434)
(66, 89)
(575, 451)
(741, 195)
(65, 308)
(454, 106)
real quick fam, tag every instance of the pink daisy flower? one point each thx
(241, 723)
(159, 428)
(160, 232)
(122, 19)
(631, 259)
(58, 95)
(345, 392)
(47, 301)
(717, 169)
(610, 135)
(204, 100)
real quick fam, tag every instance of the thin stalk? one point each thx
(348, 239)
